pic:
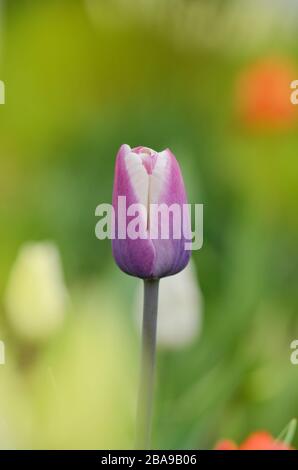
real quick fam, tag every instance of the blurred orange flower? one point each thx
(260, 440)
(263, 94)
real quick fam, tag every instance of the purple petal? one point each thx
(135, 257)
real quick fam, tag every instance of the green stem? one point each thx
(146, 387)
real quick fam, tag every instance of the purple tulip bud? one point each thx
(150, 179)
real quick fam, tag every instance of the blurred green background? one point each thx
(210, 80)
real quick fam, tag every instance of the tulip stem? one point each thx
(146, 386)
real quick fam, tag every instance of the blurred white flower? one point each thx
(180, 308)
(36, 294)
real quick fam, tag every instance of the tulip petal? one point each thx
(135, 257)
(171, 256)
(159, 177)
(138, 176)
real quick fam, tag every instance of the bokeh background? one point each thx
(211, 80)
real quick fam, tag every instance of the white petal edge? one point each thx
(139, 178)
(159, 176)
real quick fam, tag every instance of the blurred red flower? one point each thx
(263, 94)
(260, 440)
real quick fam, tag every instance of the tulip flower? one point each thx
(263, 94)
(262, 440)
(148, 179)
